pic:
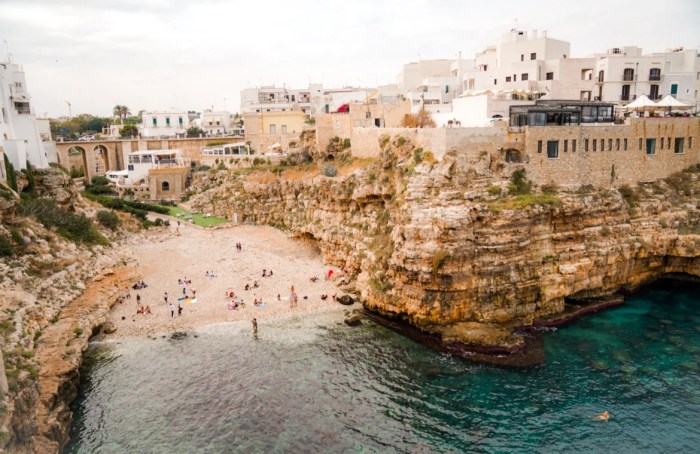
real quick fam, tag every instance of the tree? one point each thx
(129, 131)
(194, 131)
(121, 111)
(420, 119)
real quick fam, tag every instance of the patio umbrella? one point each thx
(672, 104)
(642, 103)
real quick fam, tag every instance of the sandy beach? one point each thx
(164, 258)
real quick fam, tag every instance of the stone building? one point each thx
(273, 130)
(153, 174)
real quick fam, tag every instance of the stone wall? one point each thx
(176, 179)
(618, 157)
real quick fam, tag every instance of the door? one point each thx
(674, 90)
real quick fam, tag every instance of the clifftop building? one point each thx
(20, 132)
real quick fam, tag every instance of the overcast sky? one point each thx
(192, 55)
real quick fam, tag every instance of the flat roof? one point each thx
(145, 152)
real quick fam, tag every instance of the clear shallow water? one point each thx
(311, 385)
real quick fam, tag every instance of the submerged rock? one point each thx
(353, 320)
(346, 300)
(178, 335)
(109, 328)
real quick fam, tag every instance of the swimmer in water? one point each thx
(603, 416)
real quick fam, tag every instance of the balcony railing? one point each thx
(624, 97)
(627, 77)
(654, 76)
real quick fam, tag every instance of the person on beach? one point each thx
(172, 310)
(603, 416)
(179, 309)
(184, 290)
(264, 273)
(165, 296)
(148, 310)
(255, 326)
(138, 299)
(194, 293)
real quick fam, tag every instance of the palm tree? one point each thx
(121, 111)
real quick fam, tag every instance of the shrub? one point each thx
(629, 194)
(550, 189)
(158, 222)
(417, 155)
(77, 173)
(202, 168)
(258, 161)
(78, 332)
(439, 259)
(519, 184)
(11, 177)
(108, 219)
(31, 183)
(70, 225)
(6, 249)
(400, 141)
(329, 171)
(494, 190)
(346, 143)
(17, 237)
(99, 190)
(99, 180)
(429, 157)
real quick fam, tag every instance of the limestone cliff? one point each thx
(44, 327)
(447, 247)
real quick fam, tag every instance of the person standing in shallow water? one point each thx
(255, 326)
(172, 310)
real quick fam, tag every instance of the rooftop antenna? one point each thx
(70, 114)
(7, 49)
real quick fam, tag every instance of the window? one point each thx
(523, 76)
(165, 186)
(601, 76)
(654, 91)
(549, 76)
(625, 95)
(273, 129)
(539, 146)
(595, 144)
(617, 144)
(167, 121)
(507, 78)
(640, 143)
(495, 81)
(585, 145)
(628, 74)
(668, 143)
(486, 67)
(655, 74)
(155, 121)
(284, 129)
(566, 145)
(533, 56)
(552, 149)
(624, 144)
(573, 146)
(678, 148)
(522, 57)
(651, 146)
(179, 120)
(662, 143)
(610, 145)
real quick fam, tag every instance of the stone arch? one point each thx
(76, 161)
(101, 161)
(514, 156)
(165, 186)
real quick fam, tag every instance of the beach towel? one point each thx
(230, 306)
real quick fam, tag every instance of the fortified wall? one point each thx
(642, 150)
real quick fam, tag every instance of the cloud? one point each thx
(190, 55)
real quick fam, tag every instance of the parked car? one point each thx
(87, 138)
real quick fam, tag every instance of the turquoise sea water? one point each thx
(313, 385)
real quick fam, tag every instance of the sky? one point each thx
(199, 54)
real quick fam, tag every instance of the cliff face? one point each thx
(444, 245)
(44, 327)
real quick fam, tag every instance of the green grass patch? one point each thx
(525, 201)
(198, 218)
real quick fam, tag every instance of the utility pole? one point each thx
(70, 113)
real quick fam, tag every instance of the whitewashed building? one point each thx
(216, 122)
(20, 133)
(164, 124)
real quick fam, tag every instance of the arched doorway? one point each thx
(76, 161)
(514, 156)
(101, 161)
(165, 186)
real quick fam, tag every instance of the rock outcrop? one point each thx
(444, 246)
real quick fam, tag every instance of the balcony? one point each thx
(655, 77)
(628, 77)
(627, 97)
